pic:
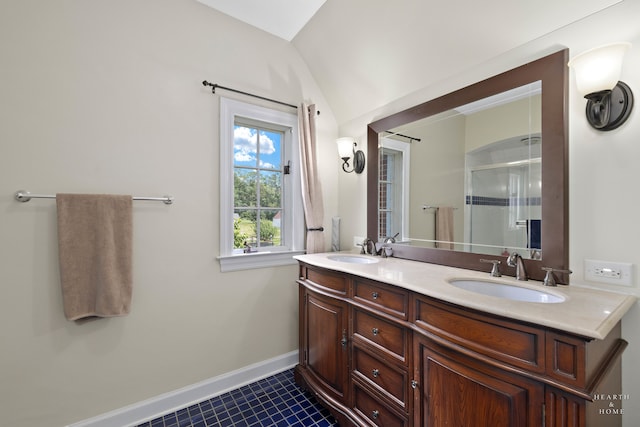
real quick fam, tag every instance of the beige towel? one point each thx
(444, 227)
(94, 243)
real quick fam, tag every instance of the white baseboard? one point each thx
(169, 402)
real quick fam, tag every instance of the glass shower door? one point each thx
(504, 209)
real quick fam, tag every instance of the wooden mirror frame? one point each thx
(552, 70)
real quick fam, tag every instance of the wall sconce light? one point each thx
(346, 149)
(597, 74)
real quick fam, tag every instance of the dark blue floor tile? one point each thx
(275, 401)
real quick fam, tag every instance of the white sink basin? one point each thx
(502, 290)
(353, 259)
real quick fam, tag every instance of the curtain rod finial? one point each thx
(213, 86)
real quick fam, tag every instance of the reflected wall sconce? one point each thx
(597, 71)
(346, 149)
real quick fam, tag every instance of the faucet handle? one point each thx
(495, 270)
(550, 278)
(512, 259)
(369, 247)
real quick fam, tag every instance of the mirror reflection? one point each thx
(468, 179)
(466, 172)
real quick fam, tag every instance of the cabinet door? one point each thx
(326, 346)
(455, 390)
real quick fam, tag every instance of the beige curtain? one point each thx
(311, 189)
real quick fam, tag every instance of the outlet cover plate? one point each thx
(614, 273)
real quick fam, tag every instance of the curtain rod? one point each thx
(410, 138)
(215, 86)
(25, 196)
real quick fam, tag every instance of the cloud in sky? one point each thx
(245, 146)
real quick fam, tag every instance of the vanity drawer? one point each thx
(388, 299)
(388, 337)
(370, 408)
(330, 280)
(384, 378)
(515, 344)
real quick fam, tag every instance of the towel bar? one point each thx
(425, 207)
(25, 196)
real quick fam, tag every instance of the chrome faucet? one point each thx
(390, 239)
(369, 247)
(515, 260)
(363, 247)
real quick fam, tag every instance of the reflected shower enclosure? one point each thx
(503, 197)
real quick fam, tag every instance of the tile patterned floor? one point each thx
(273, 401)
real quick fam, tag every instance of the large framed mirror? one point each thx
(477, 173)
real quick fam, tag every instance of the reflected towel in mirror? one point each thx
(444, 227)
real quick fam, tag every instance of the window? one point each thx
(258, 174)
(393, 212)
(261, 219)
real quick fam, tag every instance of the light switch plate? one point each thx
(614, 273)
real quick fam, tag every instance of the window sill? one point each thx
(257, 260)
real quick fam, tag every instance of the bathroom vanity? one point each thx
(392, 342)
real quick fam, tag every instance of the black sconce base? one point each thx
(608, 110)
(358, 161)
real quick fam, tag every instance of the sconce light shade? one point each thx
(599, 69)
(597, 73)
(346, 148)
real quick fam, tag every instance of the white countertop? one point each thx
(587, 312)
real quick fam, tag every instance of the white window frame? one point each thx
(293, 224)
(404, 186)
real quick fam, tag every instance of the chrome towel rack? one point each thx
(426, 207)
(25, 196)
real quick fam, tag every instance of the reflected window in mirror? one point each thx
(394, 184)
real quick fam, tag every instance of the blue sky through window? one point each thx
(247, 152)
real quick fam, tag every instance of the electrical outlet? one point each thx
(615, 273)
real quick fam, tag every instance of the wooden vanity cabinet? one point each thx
(381, 351)
(465, 363)
(456, 390)
(325, 347)
(378, 355)
(324, 352)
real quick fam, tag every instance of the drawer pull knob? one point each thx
(374, 295)
(375, 373)
(375, 414)
(414, 384)
(375, 331)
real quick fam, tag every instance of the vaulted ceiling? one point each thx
(367, 53)
(282, 18)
